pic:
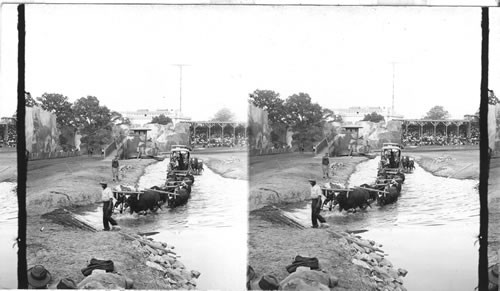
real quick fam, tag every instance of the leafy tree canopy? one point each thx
(29, 101)
(271, 102)
(162, 119)
(95, 121)
(224, 115)
(373, 117)
(301, 113)
(437, 112)
(60, 106)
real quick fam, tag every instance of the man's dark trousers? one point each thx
(315, 209)
(107, 210)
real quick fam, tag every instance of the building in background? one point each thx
(141, 117)
(357, 113)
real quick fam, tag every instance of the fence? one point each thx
(52, 155)
(272, 151)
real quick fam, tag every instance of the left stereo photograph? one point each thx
(136, 139)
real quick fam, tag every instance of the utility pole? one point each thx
(393, 69)
(180, 85)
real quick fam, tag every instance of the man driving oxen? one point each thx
(316, 195)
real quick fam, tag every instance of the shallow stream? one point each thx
(430, 231)
(209, 232)
(8, 226)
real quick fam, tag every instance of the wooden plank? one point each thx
(164, 192)
(370, 189)
(337, 190)
(128, 192)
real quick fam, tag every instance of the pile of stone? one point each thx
(161, 257)
(368, 255)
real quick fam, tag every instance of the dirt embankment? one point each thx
(74, 181)
(227, 164)
(283, 178)
(273, 245)
(458, 164)
(64, 250)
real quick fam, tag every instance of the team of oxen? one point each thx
(385, 190)
(175, 192)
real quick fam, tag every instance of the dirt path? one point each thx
(272, 246)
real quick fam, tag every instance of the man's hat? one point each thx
(312, 180)
(103, 183)
(266, 282)
(38, 276)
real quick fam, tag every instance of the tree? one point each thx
(223, 115)
(271, 102)
(94, 121)
(162, 119)
(300, 112)
(373, 117)
(305, 118)
(60, 106)
(437, 112)
(29, 101)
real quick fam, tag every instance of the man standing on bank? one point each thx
(114, 168)
(325, 164)
(316, 205)
(107, 208)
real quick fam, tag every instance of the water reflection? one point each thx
(431, 228)
(8, 225)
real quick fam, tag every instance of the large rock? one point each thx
(362, 264)
(309, 277)
(195, 274)
(402, 272)
(106, 281)
(297, 284)
(155, 266)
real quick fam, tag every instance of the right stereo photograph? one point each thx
(364, 150)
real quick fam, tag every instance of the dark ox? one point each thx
(148, 200)
(350, 200)
(390, 194)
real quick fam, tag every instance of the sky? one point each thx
(126, 56)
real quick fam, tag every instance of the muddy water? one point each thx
(209, 232)
(8, 225)
(430, 231)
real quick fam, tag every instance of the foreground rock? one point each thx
(161, 258)
(373, 260)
